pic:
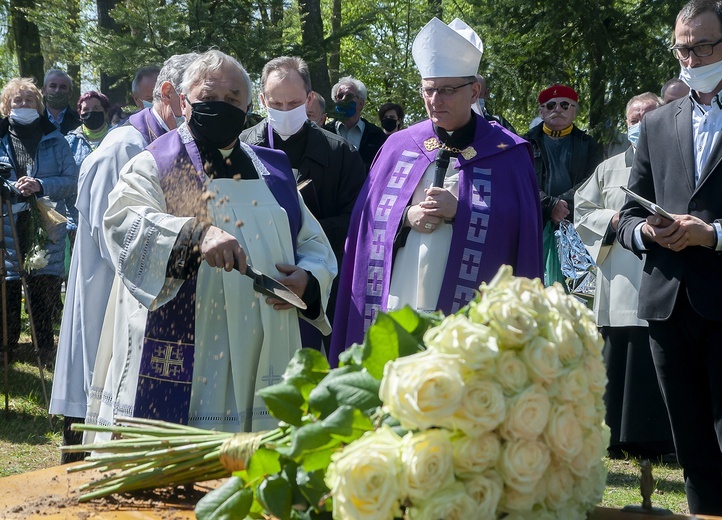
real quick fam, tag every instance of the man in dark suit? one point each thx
(329, 172)
(678, 165)
(57, 90)
(349, 95)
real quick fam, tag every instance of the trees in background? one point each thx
(609, 50)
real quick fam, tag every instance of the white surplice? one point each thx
(91, 273)
(242, 343)
(420, 265)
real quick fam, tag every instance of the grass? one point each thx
(27, 442)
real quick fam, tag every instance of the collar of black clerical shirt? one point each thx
(236, 165)
(459, 138)
(294, 147)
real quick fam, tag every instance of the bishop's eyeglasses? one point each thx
(444, 92)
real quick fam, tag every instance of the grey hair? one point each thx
(283, 66)
(57, 72)
(350, 80)
(172, 72)
(143, 72)
(321, 100)
(646, 96)
(208, 63)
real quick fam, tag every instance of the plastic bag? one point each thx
(577, 265)
(552, 265)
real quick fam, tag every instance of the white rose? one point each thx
(511, 372)
(557, 487)
(573, 385)
(452, 503)
(592, 340)
(422, 390)
(596, 374)
(589, 488)
(531, 294)
(473, 342)
(527, 414)
(482, 408)
(561, 333)
(364, 477)
(563, 433)
(427, 463)
(586, 412)
(519, 502)
(513, 323)
(542, 358)
(474, 455)
(486, 490)
(558, 299)
(594, 448)
(522, 464)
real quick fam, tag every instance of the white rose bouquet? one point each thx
(494, 412)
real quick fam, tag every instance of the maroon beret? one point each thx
(557, 91)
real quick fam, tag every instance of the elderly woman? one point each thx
(41, 166)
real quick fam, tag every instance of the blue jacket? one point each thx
(56, 171)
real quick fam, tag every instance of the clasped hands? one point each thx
(438, 205)
(221, 249)
(27, 185)
(676, 235)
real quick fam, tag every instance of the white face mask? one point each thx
(24, 116)
(702, 79)
(289, 122)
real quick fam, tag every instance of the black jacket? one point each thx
(664, 172)
(371, 140)
(586, 156)
(71, 120)
(337, 174)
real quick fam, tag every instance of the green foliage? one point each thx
(333, 408)
(228, 502)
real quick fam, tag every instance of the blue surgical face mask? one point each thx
(480, 103)
(147, 104)
(345, 109)
(633, 133)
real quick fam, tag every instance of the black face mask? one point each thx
(93, 120)
(216, 122)
(389, 124)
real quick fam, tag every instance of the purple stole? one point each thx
(166, 367)
(397, 170)
(146, 123)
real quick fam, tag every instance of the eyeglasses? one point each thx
(701, 51)
(350, 96)
(444, 92)
(551, 105)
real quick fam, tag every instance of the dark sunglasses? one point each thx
(551, 105)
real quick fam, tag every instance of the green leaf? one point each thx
(309, 364)
(307, 438)
(320, 459)
(349, 385)
(387, 339)
(347, 424)
(314, 488)
(263, 463)
(228, 502)
(274, 494)
(353, 355)
(284, 402)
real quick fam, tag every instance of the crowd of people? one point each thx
(167, 207)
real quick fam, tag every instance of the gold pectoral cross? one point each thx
(433, 143)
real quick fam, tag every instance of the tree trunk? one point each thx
(74, 65)
(117, 88)
(314, 49)
(27, 41)
(334, 59)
